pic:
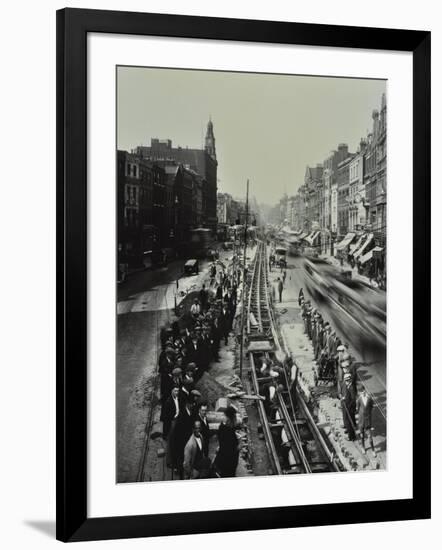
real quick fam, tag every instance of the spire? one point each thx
(210, 139)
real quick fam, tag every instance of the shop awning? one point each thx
(364, 259)
(354, 246)
(360, 250)
(315, 237)
(312, 237)
(345, 241)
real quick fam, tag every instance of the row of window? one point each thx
(131, 170)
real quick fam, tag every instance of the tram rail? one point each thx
(294, 441)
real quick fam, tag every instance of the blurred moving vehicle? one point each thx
(310, 252)
(295, 247)
(348, 299)
(201, 240)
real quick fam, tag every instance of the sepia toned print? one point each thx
(251, 274)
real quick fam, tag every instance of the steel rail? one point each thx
(265, 423)
(259, 299)
(293, 430)
(259, 287)
(317, 434)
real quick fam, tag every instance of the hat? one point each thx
(230, 412)
(274, 374)
(340, 348)
(169, 330)
(195, 393)
(176, 371)
(191, 366)
(347, 376)
(170, 350)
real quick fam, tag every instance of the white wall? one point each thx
(28, 266)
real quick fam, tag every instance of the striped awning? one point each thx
(360, 250)
(366, 257)
(312, 237)
(354, 246)
(345, 241)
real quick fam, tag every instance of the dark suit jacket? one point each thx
(168, 410)
(194, 354)
(205, 432)
(183, 430)
(182, 398)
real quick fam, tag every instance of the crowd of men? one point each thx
(188, 347)
(336, 365)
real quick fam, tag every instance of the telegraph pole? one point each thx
(244, 292)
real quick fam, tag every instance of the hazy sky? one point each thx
(267, 127)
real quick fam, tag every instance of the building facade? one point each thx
(313, 195)
(343, 188)
(356, 195)
(201, 161)
(346, 193)
(141, 188)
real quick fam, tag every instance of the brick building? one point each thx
(201, 161)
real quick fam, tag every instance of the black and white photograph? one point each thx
(251, 274)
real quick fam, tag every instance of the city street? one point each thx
(230, 358)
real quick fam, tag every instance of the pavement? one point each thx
(371, 372)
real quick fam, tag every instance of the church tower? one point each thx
(210, 140)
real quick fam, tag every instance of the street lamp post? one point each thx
(241, 353)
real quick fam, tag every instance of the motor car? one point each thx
(191, 267)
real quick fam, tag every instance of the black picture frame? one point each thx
(73, 25)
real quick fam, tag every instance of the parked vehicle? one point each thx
(191, 267)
